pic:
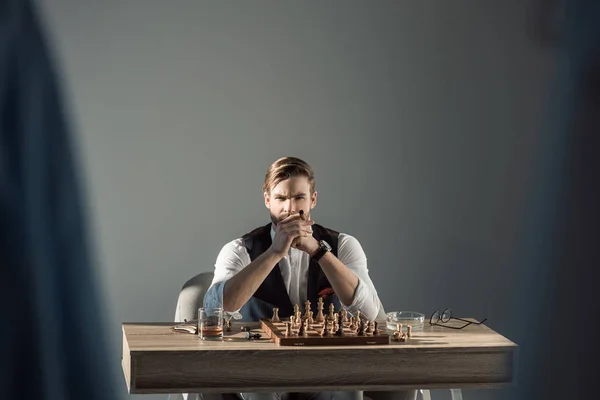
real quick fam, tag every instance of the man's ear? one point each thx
(267, 200)
(313, 200)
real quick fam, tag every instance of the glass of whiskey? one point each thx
(210, 323)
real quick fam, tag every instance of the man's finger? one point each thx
(290, 218)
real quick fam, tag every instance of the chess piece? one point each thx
(375, 328)
(320, 317)
(228, 326)
(324, 328)
(296, 309)
(302, 330)
(368, 331)
(288, 329)
(275, 315)
(251, 336)
(307, 323)
(340, 329)
(331, 310)
(397, 335)
(361, 328)
(292, 320)
(358, 316)
(408, 330)
(310, 317)
(333, 327)
(352, 324)
(399, 327)
(306, 308)
(345, 316)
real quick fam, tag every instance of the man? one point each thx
(292, 259)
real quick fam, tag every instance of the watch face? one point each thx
(325, 245)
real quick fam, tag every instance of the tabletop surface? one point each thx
(157, 359)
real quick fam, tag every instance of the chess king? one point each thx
(290, 260)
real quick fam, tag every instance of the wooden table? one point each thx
(158, 360)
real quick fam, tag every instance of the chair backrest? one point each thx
(191, 297)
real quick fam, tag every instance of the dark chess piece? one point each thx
(228, 326)
(340, 330)
(361, 328)
(252, 336)
(324, 328)
(375, 328)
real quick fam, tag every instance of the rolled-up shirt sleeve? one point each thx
(232, 258)
(352, 255)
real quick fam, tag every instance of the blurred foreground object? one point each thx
(561, 231)
(53, 340)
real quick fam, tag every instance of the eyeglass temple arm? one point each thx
(471, 322)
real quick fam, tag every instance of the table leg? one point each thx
(456, 394)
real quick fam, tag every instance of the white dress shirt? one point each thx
(294, 271)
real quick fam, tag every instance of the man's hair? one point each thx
(285, 168)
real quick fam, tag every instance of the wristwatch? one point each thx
(324, 247)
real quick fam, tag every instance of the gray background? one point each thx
(420, 118)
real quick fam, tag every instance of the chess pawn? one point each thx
(292, 320)
(399, 327)
(375, 328)
(307, 323)
(275, 315)
(324, 328)
(397, 336)
(331, 310)
(361, 328)
(368, 331)
(288, 329)
(352, 324)
(408, 330)
(228, 326)
(302, 330)
(310, 317)
(333, 327)
(344, 316)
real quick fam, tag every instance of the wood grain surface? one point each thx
(158, 360)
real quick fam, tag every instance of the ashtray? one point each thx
(412, 318)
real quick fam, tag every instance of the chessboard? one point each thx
(322, 330)
(313, 336)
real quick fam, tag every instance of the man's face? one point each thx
(289, 197)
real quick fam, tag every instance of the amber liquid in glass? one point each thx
(211, 332)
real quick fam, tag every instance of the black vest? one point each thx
(272, 292)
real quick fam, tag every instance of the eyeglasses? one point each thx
(446, 316)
